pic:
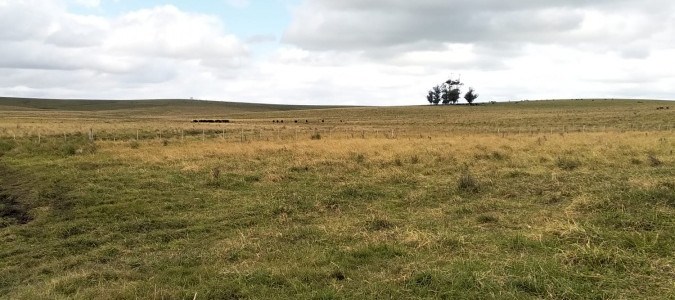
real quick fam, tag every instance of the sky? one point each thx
(336, 52)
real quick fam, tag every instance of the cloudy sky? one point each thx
(363, 52)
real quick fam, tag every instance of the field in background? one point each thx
(546, 199)
(120, 120)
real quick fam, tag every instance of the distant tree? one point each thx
(450, 94)
(453, 82)
(454, 95)
(470, 96)
(457, 97)
(453, 87)
(437, 94)
(430, 97)
(445, 94)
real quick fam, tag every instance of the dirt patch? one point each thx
(12, 210)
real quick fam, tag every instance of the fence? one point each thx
(247, 133)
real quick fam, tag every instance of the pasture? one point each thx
(529, 200)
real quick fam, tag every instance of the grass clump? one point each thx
(423, 279)
(377, 252)
(6, 145)
(635, 161)
(215, 173)
(567, 163)
(359, 158)
(69, 149)
(379, 224)
(338, 275)
(653, 160)
(467, 182)
(486, 219)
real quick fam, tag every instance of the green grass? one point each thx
(579, 215)
(160, 105)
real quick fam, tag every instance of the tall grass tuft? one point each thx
(215, 173)
(467, 183)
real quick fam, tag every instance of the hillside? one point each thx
(163, 107)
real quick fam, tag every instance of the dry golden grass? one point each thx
(540, 117)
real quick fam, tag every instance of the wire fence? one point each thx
(246, 133)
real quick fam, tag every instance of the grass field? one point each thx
(529, 200)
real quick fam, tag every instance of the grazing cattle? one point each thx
(210, 121)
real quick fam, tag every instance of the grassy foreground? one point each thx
(341, 209)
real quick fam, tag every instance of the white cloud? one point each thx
(368, 24)
(50, 52)
(507, 49)
(344, 52)
(166, 31)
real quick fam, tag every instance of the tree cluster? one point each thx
(450, 92)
